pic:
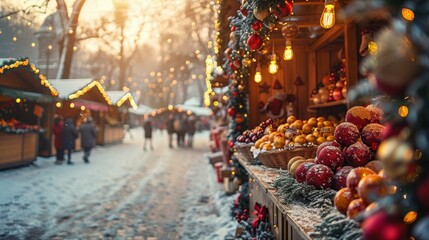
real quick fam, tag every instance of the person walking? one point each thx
(69, 136)
(58, 130)
(191, 130)
(147, 126)
(170, 130)
(177, 125)
(87, 136)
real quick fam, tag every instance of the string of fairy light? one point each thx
(211, 63)
(151, 82)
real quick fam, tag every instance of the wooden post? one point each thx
(351, 48)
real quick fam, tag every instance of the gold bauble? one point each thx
(246, 62)
(260, 15)
(396, 156)
(396, 60)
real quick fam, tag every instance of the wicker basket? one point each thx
(280, 158)
(244, 150)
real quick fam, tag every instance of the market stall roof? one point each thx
(120, 98)
(141, 110)
(20, 78)
(193, 101)
(199, 111)
(84, 89)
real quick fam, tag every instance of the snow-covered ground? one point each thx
(124, 193)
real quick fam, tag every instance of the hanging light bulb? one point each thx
(288, 53)
(273, 67)
(327, 20)
(258, 76)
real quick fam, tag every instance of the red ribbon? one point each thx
(260, 213)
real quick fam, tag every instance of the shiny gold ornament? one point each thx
(396, 156)
(246, 62)
(260, 14)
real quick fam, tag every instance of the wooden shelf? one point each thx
(328, 104)
(287, 225)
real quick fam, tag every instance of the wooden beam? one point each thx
(351, 50)
(306, 3)
(326, 38)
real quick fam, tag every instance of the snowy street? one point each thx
(124, 193)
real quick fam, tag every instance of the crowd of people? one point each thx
(65, 135)
(182, 126)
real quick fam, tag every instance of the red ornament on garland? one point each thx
(235, 94)
(257, 25)
(244, 11)
(423, 194)
(231, 112)
(233, 28)
(284, 10)
(383, 226)
(254, 42)
(231, 144)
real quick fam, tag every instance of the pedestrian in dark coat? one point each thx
(58, 130)
(191, 130)
(87, 136)
(147, 126)
(69, 136)
(170, 130)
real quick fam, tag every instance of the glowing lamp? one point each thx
(403, 111)
(327, 20)
(273, 67)
(407, 14)
(258, 76)
(288, 53)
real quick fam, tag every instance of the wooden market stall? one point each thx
(25, 112)
(116, 117)
(290, 66)
(317, 52)
(81, 98)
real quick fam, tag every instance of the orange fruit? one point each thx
(320, 140)
(321, 119)
(291, 119)
(307, 128)
(298, 124)
(300, 139)
(312, 121)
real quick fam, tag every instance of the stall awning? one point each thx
(199, 111)
(120, 98)
(21, 75)
(83, 89)
(36, 97)
(141, 110)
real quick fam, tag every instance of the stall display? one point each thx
(368, 179)
(117, 116)
(25, 97)
(80, 98)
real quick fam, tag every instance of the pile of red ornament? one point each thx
(355, 144)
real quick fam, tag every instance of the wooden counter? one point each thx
(289, 222)
(110, 135)
(18, 149)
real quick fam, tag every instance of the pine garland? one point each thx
(289, 190)
(336, 226)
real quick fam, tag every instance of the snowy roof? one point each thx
(194, 101)
(200, 111)
(76, 88)
(121, 97)
(141, 110)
